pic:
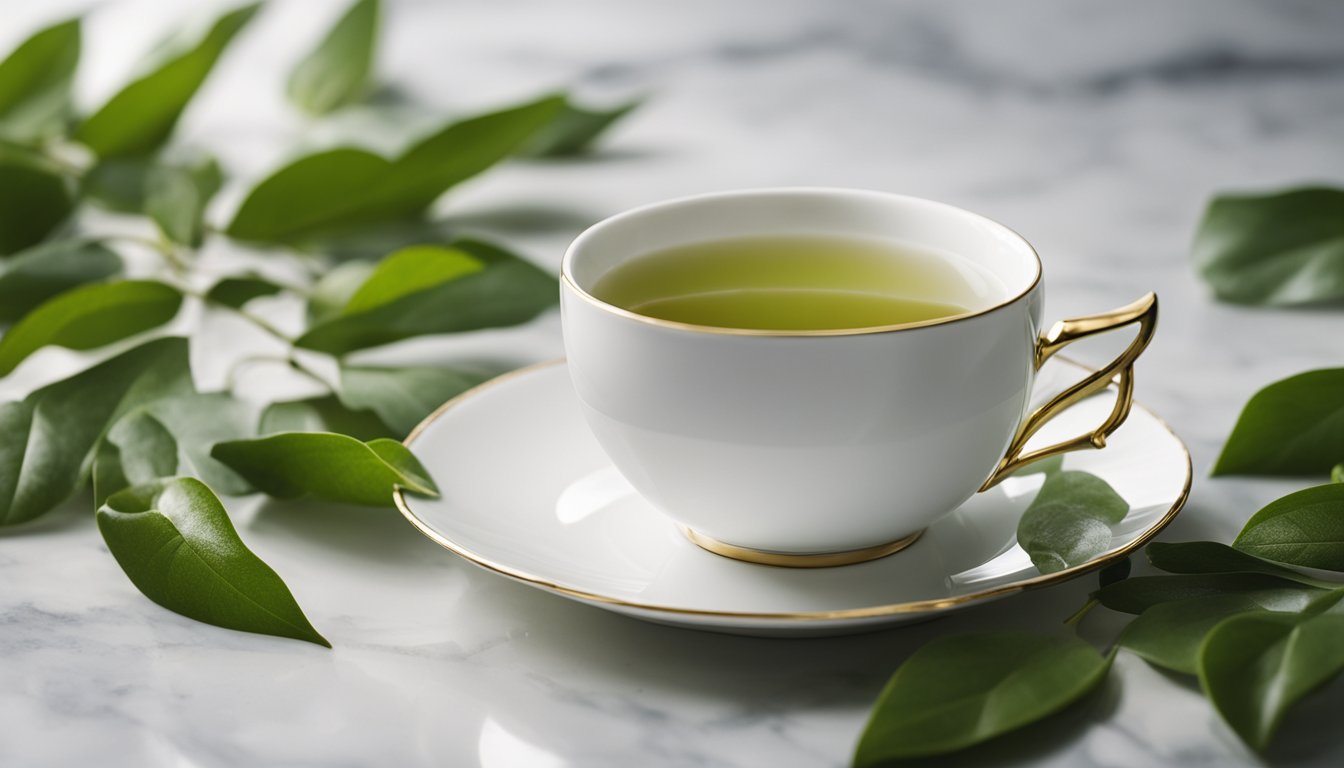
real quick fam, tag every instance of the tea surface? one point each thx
(788, 284)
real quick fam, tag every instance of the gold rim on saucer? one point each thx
(868, 612)
(798, 559)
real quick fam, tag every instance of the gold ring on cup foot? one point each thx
(798, 559)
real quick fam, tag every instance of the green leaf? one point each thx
(1115, 572)
(342, 188)
(1337, 474)
(1280, 249)
(176, 543)
(1169, 635)
(1305, 528)
(176, 196)
(335, 289)
(407, 271)
(322, 414)
(506, 292)
(34, 200)
(1138, 594)
(47, 439)
(35, 83)
(1212, 557)
(35, 275)
(138, 449)
(237, 291)
(172, 436)
(1254, 667)
(90, 316)
(575, 129)
(141, 117)
(403, 397)
(327, 466)
(1069, 522)
(119, 183)
(337, 71)
(1291, 427)
(956, 692)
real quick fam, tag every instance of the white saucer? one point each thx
(528, 493)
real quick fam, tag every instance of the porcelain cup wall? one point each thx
(823, 441)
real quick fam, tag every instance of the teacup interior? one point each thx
(995, 263)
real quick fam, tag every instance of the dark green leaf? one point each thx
(1305, 528)
(1279, 249)
(403, 397)
(41, 272)
(959, 691)
(47, 440)
(90, 316)
(341, 188)
(504, 293)
(141, 117)
(176, 543)
(1170, 634)
(1115, 572)
(1254, 667)
(1138, 594)
(1291, 427)
(237, 291)
(574, 130)
(336, 73)
(176, 196)
(327, 466)
(1212, 557)
(35, 83)
(34, 200)
(322, 414)
(1069, 522)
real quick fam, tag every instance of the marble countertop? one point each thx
(1099, 130)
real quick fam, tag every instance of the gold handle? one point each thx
(1062, 334)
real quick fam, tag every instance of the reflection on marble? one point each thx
(1097, 129)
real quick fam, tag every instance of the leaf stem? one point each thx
(231, 383)
(1078, 615)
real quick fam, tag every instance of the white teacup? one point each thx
(812, 448)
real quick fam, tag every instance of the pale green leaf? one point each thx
(140, 118)
(35, 83)
(337, 71)
(1069, 521)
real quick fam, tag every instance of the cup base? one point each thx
(798, 559)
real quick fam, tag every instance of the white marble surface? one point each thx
(1097, 129)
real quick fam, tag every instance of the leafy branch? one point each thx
(1259, 623)
(159, 452)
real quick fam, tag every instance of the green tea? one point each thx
(790, 283)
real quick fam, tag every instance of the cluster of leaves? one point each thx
(1260, 623)
(156, 449)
